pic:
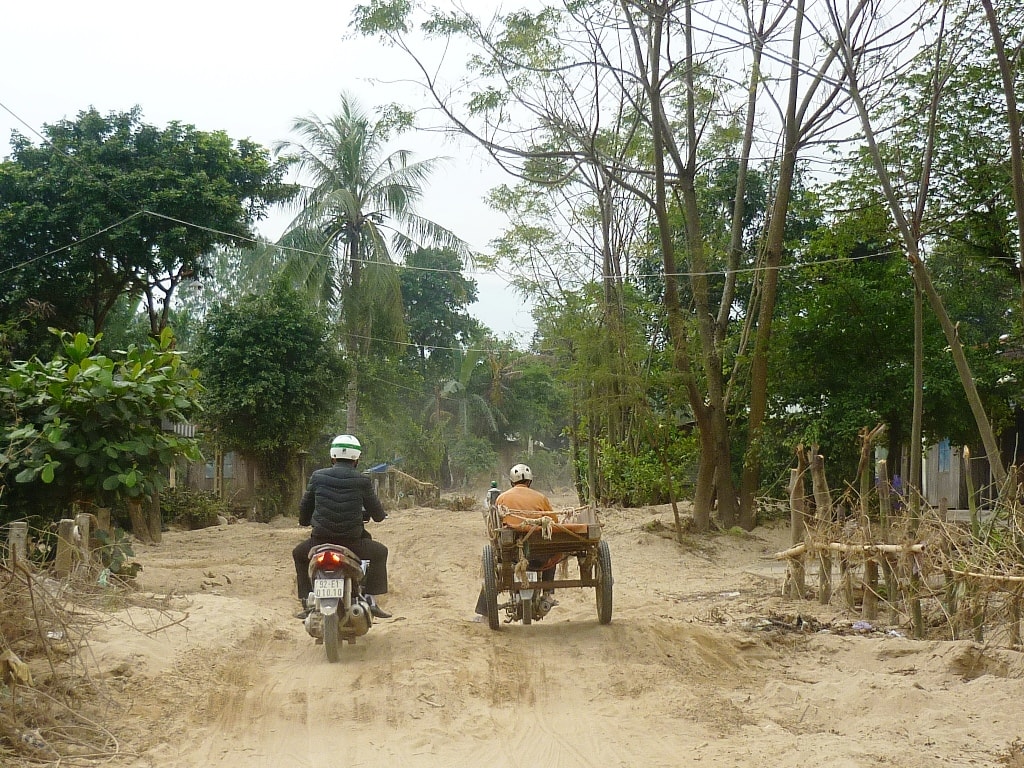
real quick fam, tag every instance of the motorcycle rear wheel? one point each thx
(332, 641)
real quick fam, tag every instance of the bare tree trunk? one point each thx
(715, 418)
(913, 484)
(352, 403)
(154, 519)
(584, 494)
(677, 329)
(769, 287)
(869, 604)
(704, 490)
(813, 94)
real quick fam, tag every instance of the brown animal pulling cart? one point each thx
(524, 544)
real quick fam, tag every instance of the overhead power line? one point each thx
(411, 267)
(293, 249)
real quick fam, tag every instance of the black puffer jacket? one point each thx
(334, 502)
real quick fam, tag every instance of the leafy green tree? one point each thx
(357, 214)
(436, 296)
(273, 376)
(393, 427)
(87, 427)
(535, 404)
(99, 212)
(597, 401)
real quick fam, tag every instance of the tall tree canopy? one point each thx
(436, 296)
(109, 206)
(624, 101)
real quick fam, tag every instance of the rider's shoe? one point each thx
(302, 614)
(375, 610)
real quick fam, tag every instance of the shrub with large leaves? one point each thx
(87, 427)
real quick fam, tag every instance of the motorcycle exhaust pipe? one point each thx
(359, 619)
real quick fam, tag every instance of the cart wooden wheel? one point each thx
(491, 587)
(603, 572)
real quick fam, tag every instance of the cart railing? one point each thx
(505, 525)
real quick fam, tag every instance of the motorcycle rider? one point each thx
(337, 501)
(523, 498)
(493, 493)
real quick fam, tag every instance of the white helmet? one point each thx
(346, 447)
(519, 473)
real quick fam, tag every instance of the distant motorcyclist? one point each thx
(492, 494)
(523, 498)
(338, 501)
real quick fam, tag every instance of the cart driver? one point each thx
(523, 498)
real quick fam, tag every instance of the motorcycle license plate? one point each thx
(329, 588)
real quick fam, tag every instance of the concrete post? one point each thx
(84, 521)
(65, 547)
(17, 542)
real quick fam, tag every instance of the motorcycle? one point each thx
(338, 608)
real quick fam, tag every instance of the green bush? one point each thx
(190, 508)
(470, 456)
(637, 477)
(115, 551)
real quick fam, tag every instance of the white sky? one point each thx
(247, 68)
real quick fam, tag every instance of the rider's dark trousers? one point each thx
(376, 581)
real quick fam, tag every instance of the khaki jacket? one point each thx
(524, 499)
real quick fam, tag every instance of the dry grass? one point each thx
(54, 709)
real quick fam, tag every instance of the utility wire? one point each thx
(294, 249)
(79, 241)
(469, 272)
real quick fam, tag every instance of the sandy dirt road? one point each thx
(687, 673)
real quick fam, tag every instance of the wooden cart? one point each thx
(522, 545)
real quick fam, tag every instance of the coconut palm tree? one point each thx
(356, 216)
